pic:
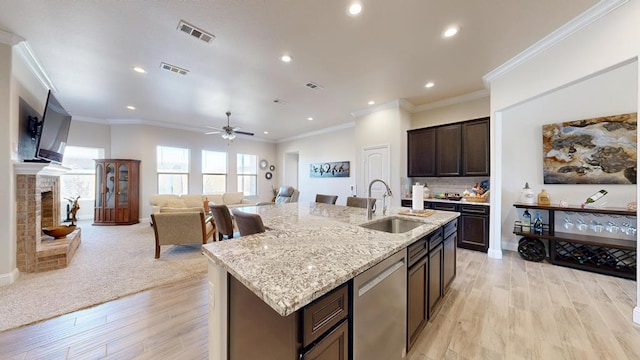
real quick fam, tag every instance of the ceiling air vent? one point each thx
(195, 32)
(173, 68)
(313, 86)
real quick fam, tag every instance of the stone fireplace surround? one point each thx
(38, 206)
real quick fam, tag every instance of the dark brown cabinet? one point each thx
(417, 315)
(448, 150)
(421, 146)
(449, 257)
(333, 347)
(319, 331)
(435, 277)
(117, 192)
(473, 230)
(459, 149)
(475, 151)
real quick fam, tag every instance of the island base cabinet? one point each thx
(416, 300)
(319, 331)
(435, 277)
(449, 261)
(256, 331)
(335, 346)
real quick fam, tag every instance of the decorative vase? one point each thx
(59, 232)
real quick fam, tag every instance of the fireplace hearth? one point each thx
(38, 206)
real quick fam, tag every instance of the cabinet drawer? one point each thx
(474, 209)
(443, 206)
(324, 313)
(450, 228)
(416, 250)
(435, 239)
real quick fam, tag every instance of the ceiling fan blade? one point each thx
(212, 132)
(244, 133)
(214, 128)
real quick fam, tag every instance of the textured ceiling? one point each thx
(388, 52)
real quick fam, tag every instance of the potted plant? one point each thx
(274, 192)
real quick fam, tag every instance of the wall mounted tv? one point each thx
(54, 131)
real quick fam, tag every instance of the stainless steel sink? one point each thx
(393, 225)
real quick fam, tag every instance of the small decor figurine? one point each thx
(274, 192)
(60, 232)
(74, 208)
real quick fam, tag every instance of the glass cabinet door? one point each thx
(123, 185)
(110, 187)
(99, 185)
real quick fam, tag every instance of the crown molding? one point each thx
(592, 14)
(9, 38)
(319, 132)
(453, 100)
(371, 110)
(25, 51)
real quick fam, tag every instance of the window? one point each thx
(214, 172)
(81, 179)
(173, 170)
(248, 174)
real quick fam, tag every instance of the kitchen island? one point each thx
(307, 251)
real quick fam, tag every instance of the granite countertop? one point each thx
(310, 249)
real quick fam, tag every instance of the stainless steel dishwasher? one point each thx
(379, 310)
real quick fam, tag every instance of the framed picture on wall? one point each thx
(599, 150)
(329, 169)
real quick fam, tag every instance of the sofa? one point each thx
(161, 203)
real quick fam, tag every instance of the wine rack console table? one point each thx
(585, 250)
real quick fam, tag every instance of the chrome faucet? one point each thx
(384, 198)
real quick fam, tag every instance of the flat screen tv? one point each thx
(55, 129)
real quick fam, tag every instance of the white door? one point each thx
(376, 166)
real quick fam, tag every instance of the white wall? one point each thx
(387, 126)
(613, 92)
(331, 146)
(467, 110)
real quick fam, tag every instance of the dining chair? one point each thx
(248, 223)
(224, 222)
(361, 202)
(178, 228)
(326, 199)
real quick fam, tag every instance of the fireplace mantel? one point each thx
(37, 168)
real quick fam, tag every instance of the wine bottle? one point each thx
(526, 221)
(593, 198)
(537, 224)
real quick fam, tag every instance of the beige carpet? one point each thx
(111, 262)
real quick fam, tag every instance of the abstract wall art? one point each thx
(330, 169)
(591, 151)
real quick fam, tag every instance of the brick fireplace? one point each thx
(38, 206)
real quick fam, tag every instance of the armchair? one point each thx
(287, 194)
(177, 228)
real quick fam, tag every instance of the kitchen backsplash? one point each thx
(442, 185)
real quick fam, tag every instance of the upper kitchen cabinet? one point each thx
(475, 152)
(460, 149)
(449, 149)
(421, 146)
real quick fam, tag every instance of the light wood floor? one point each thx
(496, 309)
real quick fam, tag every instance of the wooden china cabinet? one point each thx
(117, 192)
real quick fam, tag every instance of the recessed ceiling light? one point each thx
(310, 118)
(131, 107)
(266, 132)
(372, 102)
(355, 9)
(450, 31)
(286, 58)
(429, 84)
(140, 70)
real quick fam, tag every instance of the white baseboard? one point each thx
(495, 253)
(9, 278)
(636, 315)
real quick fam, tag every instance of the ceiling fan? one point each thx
(228, 132)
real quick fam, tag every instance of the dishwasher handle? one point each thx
(364, 288)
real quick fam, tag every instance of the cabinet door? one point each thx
(421, 154)
(449, 261)
(122, 192)
(435, 277)
(416, 300)
(473, 232)
(448, 150)
(335, 346)
(475, 148)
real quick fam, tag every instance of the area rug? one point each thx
(111, 262)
